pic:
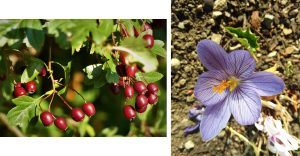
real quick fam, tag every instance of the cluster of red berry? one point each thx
(77, 115)
(30, 87)
(146, 94)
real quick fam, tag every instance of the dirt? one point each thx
(277, 23)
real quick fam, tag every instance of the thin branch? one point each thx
(13, 129)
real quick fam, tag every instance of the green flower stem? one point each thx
(256, 149)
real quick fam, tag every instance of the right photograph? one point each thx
(235, 76)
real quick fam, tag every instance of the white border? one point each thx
(152, 9)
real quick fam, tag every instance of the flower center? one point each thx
(232, 83)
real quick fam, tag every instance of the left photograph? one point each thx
(83, 78)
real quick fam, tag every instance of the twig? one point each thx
(13, 129)
(256, 149)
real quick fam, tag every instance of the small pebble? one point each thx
(216, 14)
(175, 63)
(220, 4)
(182, 82)
(272, 54)
(216, 38)
(181, 25)
(287, 31)
(189, 145)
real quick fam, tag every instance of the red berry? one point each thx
(152, 98)
(124, 31)
(136, 33)
(129, 91)
(115, 88)
(131, 70)
(77, 114)
(61, 123)
(140, 87)
(47, 118)
(30, 87)
(152, 88)
(129, 112)
(43, 72)
(140, 109)
(19, 91)
(121, 82)
(89, 109)
(19, 84)
(150, 40)
(146, 27)
(141, 101)
(121, 70)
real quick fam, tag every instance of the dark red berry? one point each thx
(146, 27)
(124, 31)
(141, 101)
(121, 70)
(115, 88)
(30, 87)
(89, 109)
(129, 112)
(121, 82)
(19, 91)
(131, 70)
(140, 109)
(152, 98)
(77, 114)
(61, 123)
(47, 118)
(136, 33)
(140, 87)
(43, 72)
(19, 84)
(150, 40)
(152, 88)
(129, 91)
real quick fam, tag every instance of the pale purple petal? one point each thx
(241, 63)
(212, 55)
(203, 89)
(191, 129)
(264, 83)
(245, 105)
(214, 120)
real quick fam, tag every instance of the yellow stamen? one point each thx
(231, 83)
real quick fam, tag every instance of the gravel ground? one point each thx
(277, 23)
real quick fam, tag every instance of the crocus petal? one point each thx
(245, 105)
(241, 63)
(265, 83)
(212, 55)
(191, 129)
(203, 89)
(214, 120)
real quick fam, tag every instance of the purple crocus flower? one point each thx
(230, 86)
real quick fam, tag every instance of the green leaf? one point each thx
(95, 75)
(23, 112)
(90, 130)
(149, 77)
(109, 64)
(7, 88)
(136, 44)
(109, 132)
(34, 32)
(104, 30)
(112, 77)
(158, 48)
(7, 25)
(128, 25)
(245, 37)
(32, 70)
